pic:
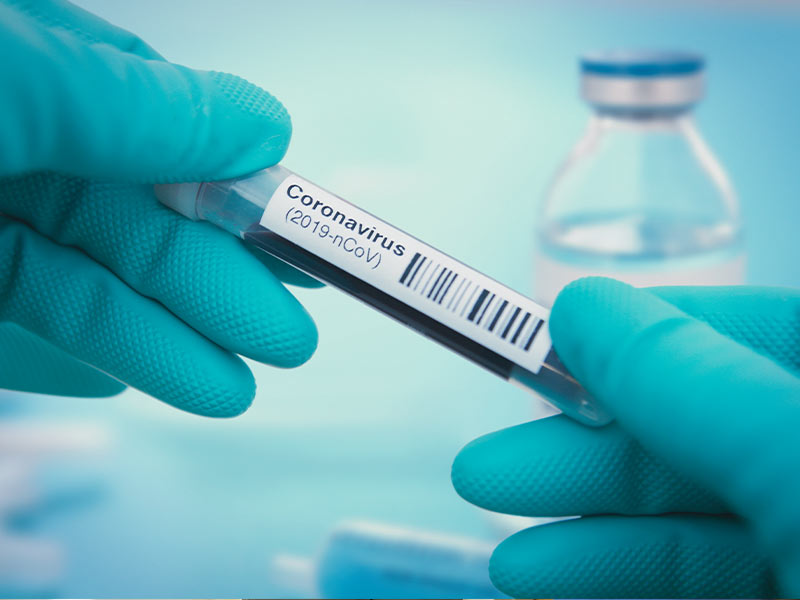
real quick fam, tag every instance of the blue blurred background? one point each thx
(419, 112)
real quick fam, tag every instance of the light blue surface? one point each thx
(446, 120)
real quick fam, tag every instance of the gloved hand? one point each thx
(694, 491)
(100, 285)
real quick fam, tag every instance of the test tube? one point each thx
(348, 248)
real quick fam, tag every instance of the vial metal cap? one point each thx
(623, 80)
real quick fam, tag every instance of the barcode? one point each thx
(470, 300)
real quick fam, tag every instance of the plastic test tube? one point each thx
(405, 278)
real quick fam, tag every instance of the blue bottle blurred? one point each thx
(362, 559)
(641, 197)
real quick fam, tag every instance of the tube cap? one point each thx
(642, 79)
(180, 197)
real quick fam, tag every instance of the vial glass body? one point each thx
(640, 198)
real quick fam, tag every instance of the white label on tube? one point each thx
(402, 266)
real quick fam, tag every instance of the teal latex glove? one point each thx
(695, 490)
(100, 285)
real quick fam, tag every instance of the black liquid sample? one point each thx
(552, 380)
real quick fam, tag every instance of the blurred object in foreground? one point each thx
(32, 566)
(363, 559)
(641, 197)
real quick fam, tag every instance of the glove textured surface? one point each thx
(692, 491)
(100, 285)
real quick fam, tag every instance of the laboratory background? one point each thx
(450, 120)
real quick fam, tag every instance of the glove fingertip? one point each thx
(473, 470)
(223, 392)
(518, 563)
(575, 305)
(592, 321)
(255, 120)
(300, 346)
(196, 375)
(461, 472)
(207, 126)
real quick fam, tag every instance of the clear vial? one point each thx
(641, 197)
